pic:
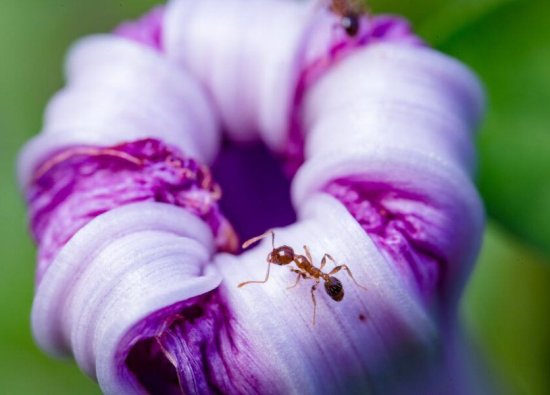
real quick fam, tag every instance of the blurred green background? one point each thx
(507, 303)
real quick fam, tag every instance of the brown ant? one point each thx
(349, 12)
(285, 255)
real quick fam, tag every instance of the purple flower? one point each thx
(378, 130)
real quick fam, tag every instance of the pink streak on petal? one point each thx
(195, 346)
(147, 30)
(353, 353)
(399, 144)
(88, 181)
(453, 208)
(78, 257)
(319, 55)
(262, 98)
(402, 224)
(108, 101)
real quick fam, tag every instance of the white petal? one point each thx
(322, 358)
(119, 91)
(405, 74)
(121, 267)
(246, 53)
(404, 117)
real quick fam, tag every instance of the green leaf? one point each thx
(34, 35)
(510, 50)
(437, 20)
(507, 43)
(415, 11)
(508, 299)
(506, 309)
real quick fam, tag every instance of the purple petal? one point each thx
(81, 183)
(109, 102)
(118, 269)
(228, 341)
(251, 97)
(134, 293)
(417, 155)
(146, 31)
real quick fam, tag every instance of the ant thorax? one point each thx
(302, 262)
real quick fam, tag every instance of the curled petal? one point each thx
(81, 183)
(276, 348)
(250, 96)
(147, 30)
(120, 268)
(417, 155)
(256, 74)
(108, 101)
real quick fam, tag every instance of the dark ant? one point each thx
(349, 12)
(284, 255)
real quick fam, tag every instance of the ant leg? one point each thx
(308, 254)
(313, 289)
(256, 281)
(324, 261)
(247, 243)
(346, 268)
(298, 277)
(301, 275)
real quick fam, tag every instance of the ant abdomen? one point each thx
(281, 255)
(334, 289)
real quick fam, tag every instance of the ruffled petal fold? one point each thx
(356, 343)
(398, 121)
(119, 91)
(248, 71)
(120, 268)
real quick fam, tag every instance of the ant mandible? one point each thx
(349, 12)
(285, 255)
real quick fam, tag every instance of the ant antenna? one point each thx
(251, 241)
(247, 244)
(257, 281)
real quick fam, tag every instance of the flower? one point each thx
(378, 128)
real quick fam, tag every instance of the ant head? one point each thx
(351, 24)
(281, 255)
(334, 289)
